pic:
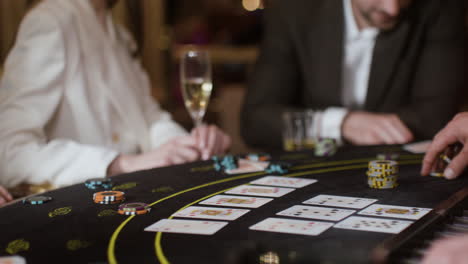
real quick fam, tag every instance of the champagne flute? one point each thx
(195, 76)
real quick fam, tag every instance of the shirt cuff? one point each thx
(332, 119)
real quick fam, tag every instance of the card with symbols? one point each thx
(186, 226)
(341, 201)
(260, 190)
(215, 213)
(405, 212)
(316, 212)
(284, 181)
(373, 224)
(236, 201)
(299, 227)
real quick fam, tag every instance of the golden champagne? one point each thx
(197, 94)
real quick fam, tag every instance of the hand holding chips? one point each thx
(443, 158)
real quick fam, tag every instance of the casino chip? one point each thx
(109, 197)
(134, 209)
(95, 183)
(228, 162)
(382, 174)
(325, 147)
(278, 168)
(37, 200)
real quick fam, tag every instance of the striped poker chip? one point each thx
(132, 207)
(383, 165)
(139, 212)
(37, 200)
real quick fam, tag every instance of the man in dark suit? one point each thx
(377, 71)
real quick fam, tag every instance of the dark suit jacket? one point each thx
(417, 69)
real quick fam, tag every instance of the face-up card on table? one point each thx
(236, 201)
(186, 226)
(299, 227)
(284, 181)
(248, 166)
(418, 147)
(373, 224)
(216, 213)
(316, 212)
(260, 191)
(394, 211)
(340, 201)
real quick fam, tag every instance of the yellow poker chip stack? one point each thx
(109, 197)
(382, 174)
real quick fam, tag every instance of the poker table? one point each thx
(72, 228)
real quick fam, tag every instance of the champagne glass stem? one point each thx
(198, 121)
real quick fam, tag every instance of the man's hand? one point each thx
(176, 151)
(455, 131)
(450, 250)
(363, 128)
(211, 140)
(5, 196)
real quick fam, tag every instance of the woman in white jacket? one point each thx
(74, 103)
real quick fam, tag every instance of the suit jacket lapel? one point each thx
(326, 42)
(387, 52)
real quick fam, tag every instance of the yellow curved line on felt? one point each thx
(111, 248)
(159, 252)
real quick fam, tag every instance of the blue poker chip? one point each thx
(95, 183)
(278, 168)
(37, 200)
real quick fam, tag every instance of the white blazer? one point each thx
(72, 98)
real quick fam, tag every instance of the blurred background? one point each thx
(230, 29)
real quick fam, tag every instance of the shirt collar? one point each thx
(352, 31)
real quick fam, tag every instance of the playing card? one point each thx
(373, 224)
(211, 213)
(299, 227)
(315, 212)
(418, 147)
(394, 211)
(186, 226)
(260, 191)
(284, 181)
(248, 166)
(340, 201)
(236, 201)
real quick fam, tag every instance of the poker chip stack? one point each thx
(109, 197)
(37, 200)
(278, 168)
(388, 156)
(383, 174)
(228, 162)
(134, 209)
(325, 147)
(94, 184)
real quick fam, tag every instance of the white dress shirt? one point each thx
(358, 47)
(72, 98)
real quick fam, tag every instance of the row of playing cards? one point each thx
(268, 186)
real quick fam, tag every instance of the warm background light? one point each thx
(251, 5)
